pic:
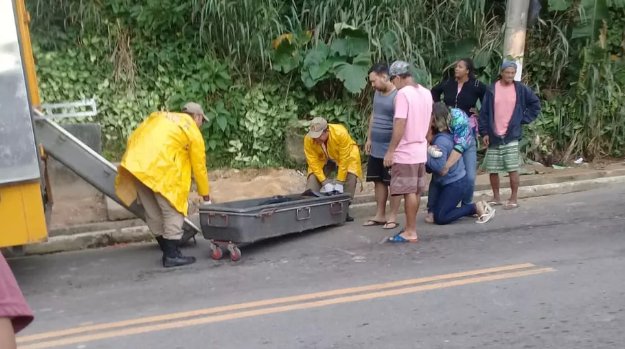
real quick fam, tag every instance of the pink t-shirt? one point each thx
(12, 303)
(413, 103)
(505, 101)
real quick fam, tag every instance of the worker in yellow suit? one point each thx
(326, 144)
(156, 168)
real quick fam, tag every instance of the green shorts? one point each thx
(502, 158)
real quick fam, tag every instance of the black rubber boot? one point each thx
(349, 218)
(186, 236)
(172, 257)
(160, 239)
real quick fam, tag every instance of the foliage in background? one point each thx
(257, 65)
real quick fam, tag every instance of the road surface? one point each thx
(546, 275)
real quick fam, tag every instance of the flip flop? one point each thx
(487, 216)
(390, 225)
(495, 203)
(373, 222)
(398, 239)
(510, 206)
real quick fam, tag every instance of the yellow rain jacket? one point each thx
(341, 148)
(161, 153)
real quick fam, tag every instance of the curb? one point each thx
(141, 233)
(364, 210)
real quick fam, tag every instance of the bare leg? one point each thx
(395, 204)
(411, 206)
(514, 186)
(381, 195)
(494, 184)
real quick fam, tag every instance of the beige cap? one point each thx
(194, 108)
(317, 126)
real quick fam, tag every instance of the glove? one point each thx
(327, 188)
(207, 202)
(338, 188)
(434, 151)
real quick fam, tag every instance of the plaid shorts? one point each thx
(502, 158)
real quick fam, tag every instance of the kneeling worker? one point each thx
(156, 167)
(328, 144)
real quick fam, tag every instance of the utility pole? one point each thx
(516, 25)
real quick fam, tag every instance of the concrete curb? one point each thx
(364, 210)
(361, 209)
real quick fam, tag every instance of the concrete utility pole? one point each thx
(516, 25)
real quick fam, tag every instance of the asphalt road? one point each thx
(547, 275)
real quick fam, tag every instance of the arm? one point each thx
(346, 144)
(461, 131)
(368, 142)
(7, 336)
(314, 160)
(481, 91)
(437, 165)
(399, 127)
(532, 106)
(437, 91)
(197, 154)
(485, 117)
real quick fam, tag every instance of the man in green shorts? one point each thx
(508, 104)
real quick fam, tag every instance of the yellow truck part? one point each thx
(22, 216)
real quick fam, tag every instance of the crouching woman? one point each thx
(451, 187)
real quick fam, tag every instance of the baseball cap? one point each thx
(508, 64)
(317, 126)
(194, 108)
(399, 68)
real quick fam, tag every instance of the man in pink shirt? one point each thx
(507, 105)
(14, 311)
(407, 152)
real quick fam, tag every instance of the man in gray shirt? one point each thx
(378, 138)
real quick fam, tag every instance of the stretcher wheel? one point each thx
(235, 253)
(216, 252)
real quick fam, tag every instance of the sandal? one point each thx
(398, 239)
(373, 222)
(390, 225)
(495, 203)
(510, 206)
(488, 214)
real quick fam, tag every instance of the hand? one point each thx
(430, 135)
(368, 147)
(338, 187)
(473, 111)
(388, 159)
(327, 188)
(206, 200)
(486, 141)
(444, 171)
(434, 151)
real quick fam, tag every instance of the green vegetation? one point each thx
(259, 66)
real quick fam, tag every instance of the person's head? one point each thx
(400, 74)
(378, 77)
(464, 68)
(318, 130)
(195, 111)
(441, 117)
(508, 71)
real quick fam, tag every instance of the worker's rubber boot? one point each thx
(349, 218)
(172, 257)
(186, 236)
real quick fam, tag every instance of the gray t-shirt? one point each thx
(382, 124)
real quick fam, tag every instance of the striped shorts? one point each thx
(502, 158)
